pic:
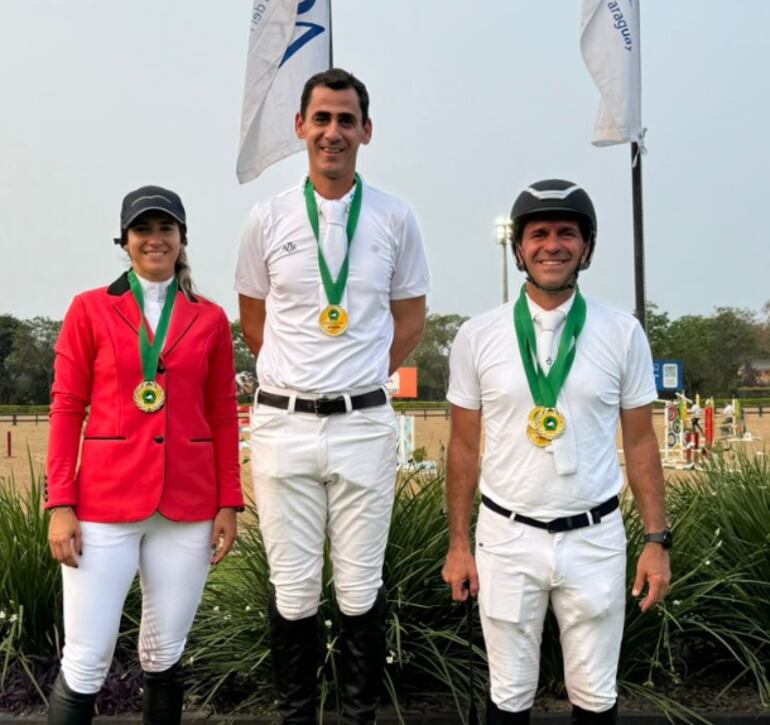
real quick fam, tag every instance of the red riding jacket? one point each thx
(181, 460)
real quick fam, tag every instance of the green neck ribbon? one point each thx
(150, 353)
(545, 389)
(334, 288)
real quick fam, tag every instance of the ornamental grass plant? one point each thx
(31, 632)
(426, 645)
(30, 595)
(714, 622)
(229, 647)
(713, 626)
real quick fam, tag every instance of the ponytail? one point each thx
(184, 274)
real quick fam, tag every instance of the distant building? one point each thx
(755, 373)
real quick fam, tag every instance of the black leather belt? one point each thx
(324, 405)
(565, 523)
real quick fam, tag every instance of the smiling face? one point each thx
(551, 251)
(154, 241)
(333, 129)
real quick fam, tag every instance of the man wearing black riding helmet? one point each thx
(553, 373)
(550, 201)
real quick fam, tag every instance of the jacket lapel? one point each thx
(182, 319)
(124, 303)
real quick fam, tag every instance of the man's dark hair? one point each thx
(338, 80)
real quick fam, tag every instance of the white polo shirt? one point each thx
(612, 371)
(278, 262)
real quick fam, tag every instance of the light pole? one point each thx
(503, 227)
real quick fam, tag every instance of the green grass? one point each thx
(23, 410)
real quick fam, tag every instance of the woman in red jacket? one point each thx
(157, 484)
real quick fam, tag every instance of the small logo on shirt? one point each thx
(289, 247)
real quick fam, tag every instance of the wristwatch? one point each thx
(663, 538)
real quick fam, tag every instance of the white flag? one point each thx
(609, 42)
(289, 42)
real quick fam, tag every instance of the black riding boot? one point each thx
(67, 707)
(362, 661)
(496, 716)
(586, 717)
(163, 696)
(294, 646)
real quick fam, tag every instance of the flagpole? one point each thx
(636, 192)
(331, 38)
(611, 48)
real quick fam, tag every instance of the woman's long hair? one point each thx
(183, 271)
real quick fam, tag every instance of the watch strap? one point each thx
(659, 537)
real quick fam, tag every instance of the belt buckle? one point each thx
(319, 405)
(553, 527)
(568, 523)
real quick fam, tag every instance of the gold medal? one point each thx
(537, 439)
(333, 320)
(545, 425)
(533, 429)
(149, 396)
(550, 424)
(534, 415)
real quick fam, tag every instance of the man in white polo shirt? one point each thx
(551, 375)
(332, 279)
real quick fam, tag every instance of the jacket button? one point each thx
(159, 439)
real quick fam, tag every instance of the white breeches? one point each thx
(173, 561)
(583, 572)
(324, 475)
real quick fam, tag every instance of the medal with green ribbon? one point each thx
(545, 422)
(334, 318)
(149, 396)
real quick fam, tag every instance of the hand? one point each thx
(223, 534)
(64, 537)
(652, 568)
(460, 573)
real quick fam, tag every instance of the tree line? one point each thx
(716, 350)
(26, 359)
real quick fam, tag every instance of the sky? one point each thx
(470, 102)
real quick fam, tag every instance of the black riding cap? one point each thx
(151, 198)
